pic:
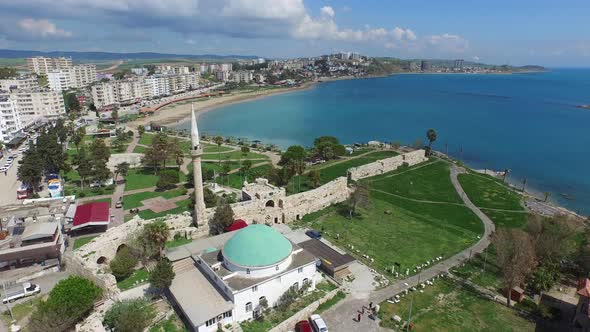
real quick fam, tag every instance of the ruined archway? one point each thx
(270, 203)
(121, 247)
(101, 260)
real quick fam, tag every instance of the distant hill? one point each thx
(109, 56)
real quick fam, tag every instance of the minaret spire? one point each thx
(196, 153)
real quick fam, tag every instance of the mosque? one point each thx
(232, 277)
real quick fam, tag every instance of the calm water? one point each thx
(525, 122)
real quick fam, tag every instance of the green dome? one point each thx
(257, 246)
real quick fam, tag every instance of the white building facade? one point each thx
(43, 65)
(10, 123)
(20, 83)
(33, 105)
(59, 80)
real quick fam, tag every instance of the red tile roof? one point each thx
(238, 224)
(91, 214)
(584, 288)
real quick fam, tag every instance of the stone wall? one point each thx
(387, 165)
(303, 314)
(298, 205)
(92, 260)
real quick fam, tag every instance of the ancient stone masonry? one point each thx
(92, 260)
(387, 165)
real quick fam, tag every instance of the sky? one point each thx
(517, 32)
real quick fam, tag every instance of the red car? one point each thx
(303, 326)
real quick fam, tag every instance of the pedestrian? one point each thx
(371, 305)
(358, 317)
(363, 308)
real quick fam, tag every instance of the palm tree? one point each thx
(121, 169)
(157, 234)
(218, 140)
(431, 135)
(547, 194)
(523, 185)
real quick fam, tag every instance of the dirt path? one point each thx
(339, 317)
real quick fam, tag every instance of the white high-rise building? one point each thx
(59, 80)
(225, 67)
(104, 94)
(82, 75)
(20, 83)
(10, 123)
(43, 65)
(33, 105)
(242, 76)
(222, 75)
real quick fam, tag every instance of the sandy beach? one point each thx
(176, 113)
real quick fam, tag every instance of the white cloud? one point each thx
(190, 42)
(327, 11)
(449, 43)
(475, 58)
(43, 28)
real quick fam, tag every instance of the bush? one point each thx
(162, 275)
(168, 179)
(68, 302)
(123, 264)
(129, 316)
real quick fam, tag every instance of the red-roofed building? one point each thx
(238, 224)
(91, 215)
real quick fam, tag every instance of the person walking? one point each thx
(358, 317)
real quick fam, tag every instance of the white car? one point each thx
(318, 324)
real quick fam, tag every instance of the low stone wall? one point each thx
(92, 260)
(303, 314)
(387, 165)
(298, 205)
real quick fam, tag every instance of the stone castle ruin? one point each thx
(262, 203)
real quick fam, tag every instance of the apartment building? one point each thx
(43, 65)
(20, 83)
(59, 80)
(242, 76)
(82, 75)
(38, 104)
(222, 76)
(10, 123)
(178, 70)
(104, 94)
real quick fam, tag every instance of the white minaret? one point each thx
(197, 152)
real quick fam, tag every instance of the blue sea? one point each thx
(528, 123)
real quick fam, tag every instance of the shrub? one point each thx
(129, 316)
(162, 275)
(68, 302)
(123, 264)
(168, 178)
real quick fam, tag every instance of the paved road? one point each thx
(9, 182)
(340, 317)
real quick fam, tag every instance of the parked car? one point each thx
(303, 326)
(119, 205)
(318, 324)
(312, 233)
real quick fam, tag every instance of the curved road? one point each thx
(340, 317)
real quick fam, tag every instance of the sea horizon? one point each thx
(470, 113)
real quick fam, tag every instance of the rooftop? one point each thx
(196, 295)
(257, 246)
(91, 214)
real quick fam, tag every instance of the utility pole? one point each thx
(485, 260)
(412, 304)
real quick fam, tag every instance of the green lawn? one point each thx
(358, 151)
(412, 232)
(139, 178)
(139, 149)
(137, 278)
(70, 189)
(236, 180)
(431, 182)
(172, 324)
(146, 139)
(82, 241)
(473, 270)
(108, 200)
(233, 155)
(20, 311)
(334, 169)
(178, 242)
(134, 200)
(448, 306)
(486, 192)
(181, 206)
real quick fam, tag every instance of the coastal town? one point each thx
(115, 219)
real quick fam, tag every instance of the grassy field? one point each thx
(412, 232)
(82, 241)
(431, 182)
(137, 278)
(108, 200)
(21, 311)
(172, 324)
(334, 169)
(495, 199)
(236, 180)
(233, 155)
(448, 306)
(178, 242)
(134, 200)
(473, 270)
(139, 178)
(486, 192)
(181, 206)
